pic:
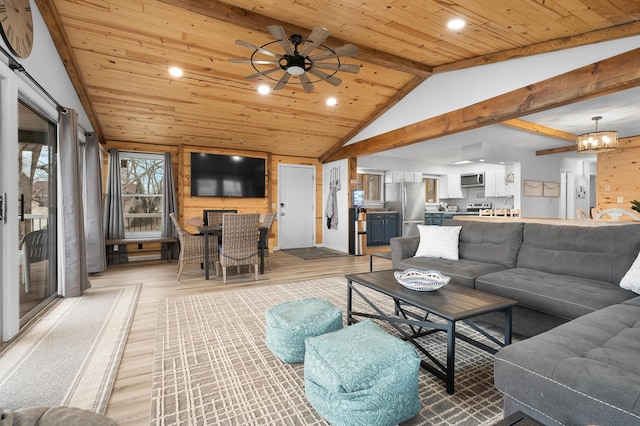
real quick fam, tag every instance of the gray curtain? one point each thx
(169, 250)
(75, 275)
(96, 256)
(113, 213)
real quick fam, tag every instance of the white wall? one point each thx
(457, 89)
(336, 239)
(46, 67)
(453, 90)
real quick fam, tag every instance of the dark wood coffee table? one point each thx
(452, 303)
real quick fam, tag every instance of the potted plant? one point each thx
(635, 205)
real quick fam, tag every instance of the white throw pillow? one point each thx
(438, 241)
(631, 280)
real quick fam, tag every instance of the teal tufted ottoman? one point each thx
(290, 323)
(362, 375)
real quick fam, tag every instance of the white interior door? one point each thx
(296, 206)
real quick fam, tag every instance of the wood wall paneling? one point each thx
(618, 175)
(190, 207)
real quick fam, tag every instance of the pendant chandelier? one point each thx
(598, 141)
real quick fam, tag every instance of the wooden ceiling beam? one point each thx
(245, 18)
(54, 24)
(558, 150)
(415, 82)
(597, 36)
(538, 129)
(611, 75)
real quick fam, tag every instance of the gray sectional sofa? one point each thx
(581, 365)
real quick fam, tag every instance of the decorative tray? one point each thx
(420, 280)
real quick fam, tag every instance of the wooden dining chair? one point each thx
(192, 247)
(238, 247)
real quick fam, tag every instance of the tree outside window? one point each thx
(142, 198)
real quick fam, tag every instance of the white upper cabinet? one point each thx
(495, 184)
(450, 187)
(392, 176)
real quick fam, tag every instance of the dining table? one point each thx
(217, 230)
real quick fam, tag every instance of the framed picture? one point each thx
(551, 189)
(532, 188)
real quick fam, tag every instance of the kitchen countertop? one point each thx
(382, 211)
(459, 212)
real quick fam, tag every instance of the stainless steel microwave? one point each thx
(471, 180)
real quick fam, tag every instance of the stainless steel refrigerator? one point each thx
(407, 198)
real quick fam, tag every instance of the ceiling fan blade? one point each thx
(283, 80)
(307, 85)
(278, 33)
(258, 48)
(261, 73)
(351, 68)
(249, 61)
(331, 79)
(317, 36)
(346, 50)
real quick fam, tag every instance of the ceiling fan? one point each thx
(298, 58)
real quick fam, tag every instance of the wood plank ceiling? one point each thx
(118, 53)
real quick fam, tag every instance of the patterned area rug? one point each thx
(311, 253)
(70, 357)
(212, 366)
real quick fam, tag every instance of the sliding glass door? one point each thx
(36, 211)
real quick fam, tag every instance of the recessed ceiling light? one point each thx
(462, 162)
(456, 24)
(176, 72)
(332, 102)
(263, 89)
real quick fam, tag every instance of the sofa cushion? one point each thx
(631, 280)
(462, 272)
(489, 242)
(558, 295)
(438, 241)
(602, 253)
(590, 363)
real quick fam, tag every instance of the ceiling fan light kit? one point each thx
(597, 141)
(298, 59)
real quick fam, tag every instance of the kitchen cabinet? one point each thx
(393, 176)
(438, 218)
(381, 227)
(450, 187)
(495, 185)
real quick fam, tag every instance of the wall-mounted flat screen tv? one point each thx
(214, 175)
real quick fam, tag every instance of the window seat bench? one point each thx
(140, 241)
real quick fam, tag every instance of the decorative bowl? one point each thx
(420, 280)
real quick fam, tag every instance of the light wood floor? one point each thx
(130, 400)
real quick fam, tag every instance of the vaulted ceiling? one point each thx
(118, 53)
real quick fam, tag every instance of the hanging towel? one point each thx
(332, 209)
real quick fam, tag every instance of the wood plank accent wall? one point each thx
(273, 188)
(190, 208)
(618, 175)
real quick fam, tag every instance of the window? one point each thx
(372, 186)
(432, 190)
(142, 199)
